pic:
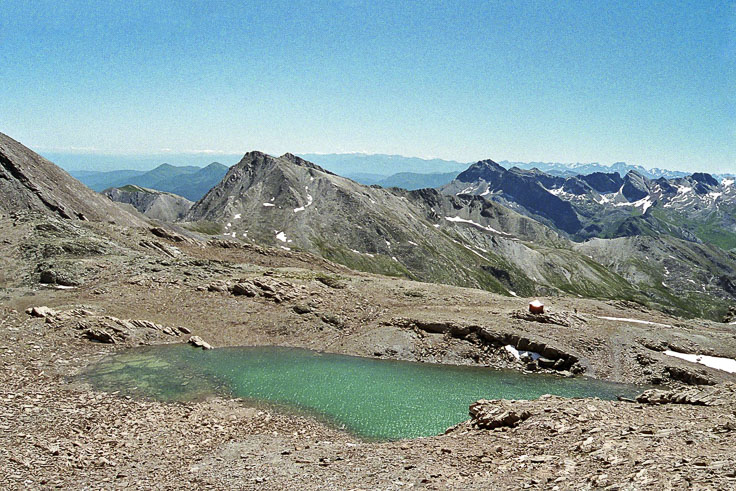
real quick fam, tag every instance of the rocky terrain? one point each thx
(75, 291)
(63, 434)
(159, 205)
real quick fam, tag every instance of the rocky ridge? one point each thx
(158, 205)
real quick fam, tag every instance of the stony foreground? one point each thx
(57, 432)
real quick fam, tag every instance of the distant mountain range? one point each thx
(695, 207)
(416, 173)
(189, 182)
(574, 169)
(359, 164)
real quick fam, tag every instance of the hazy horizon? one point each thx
(649, 84)
(72, 162)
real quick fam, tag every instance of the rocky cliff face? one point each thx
(29, 182)
(518, 189)
(158, 205)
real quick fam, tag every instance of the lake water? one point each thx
(372, 398)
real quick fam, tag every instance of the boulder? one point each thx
(57, 277)
(198, 342)
(42, 312)
(99, 335)
(168, 234)
(688, 376)
(246, 289)
(490, 414)
(302, 309)
(218, 286)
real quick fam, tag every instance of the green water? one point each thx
(372, 398)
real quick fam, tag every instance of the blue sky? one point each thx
(650, 83)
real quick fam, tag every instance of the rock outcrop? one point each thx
(716, 395)
(491, 414)
(105, 328)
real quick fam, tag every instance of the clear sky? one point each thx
(647, 82)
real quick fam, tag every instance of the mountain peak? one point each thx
(635, 186)
(254, 154)
(488, 170)
(295, 159)
(704, 178)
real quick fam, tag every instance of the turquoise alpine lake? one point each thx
(372, 398)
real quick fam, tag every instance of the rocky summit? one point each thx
(284, 253)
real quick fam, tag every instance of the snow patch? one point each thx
(717, 362)
(635, 321)
(310, 200)
(513, 294)
(519, 353)
(727, 182)
(57, 287)
(644, 203)
(472, 250)
(475, 224)
(281, 236)
(236, 216)
(606, 198)
(268, 204)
